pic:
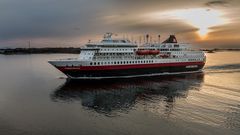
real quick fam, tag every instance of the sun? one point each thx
(200, 18)
(203, 31)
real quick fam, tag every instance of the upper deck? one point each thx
(108, 41)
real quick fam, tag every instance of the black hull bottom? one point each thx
(130, 73)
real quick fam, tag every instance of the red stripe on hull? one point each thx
(133, 66)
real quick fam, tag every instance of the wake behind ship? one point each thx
(120, 58)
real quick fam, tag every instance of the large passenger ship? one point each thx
(120, 58)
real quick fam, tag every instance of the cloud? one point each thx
(48, 18)
(217, 3)
(72, 19)
(168, 26)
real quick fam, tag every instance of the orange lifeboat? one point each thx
(143, 52)
(154, 52)
(147, 52)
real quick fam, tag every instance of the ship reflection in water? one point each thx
(34, 101)
(113, 96)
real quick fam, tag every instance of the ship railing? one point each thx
(68, 59)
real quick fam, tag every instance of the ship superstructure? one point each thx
(120, 58)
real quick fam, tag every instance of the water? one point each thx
(34, 99)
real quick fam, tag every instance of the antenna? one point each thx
(147, 36)
(108, 35)
(159, 38)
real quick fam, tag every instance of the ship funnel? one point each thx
(171, 39)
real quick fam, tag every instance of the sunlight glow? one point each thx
(202, 19)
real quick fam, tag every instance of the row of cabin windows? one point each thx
(135, 49)
(193, 59)
(198, 54)
(116, 41)
(114, 57)
(113, 54)
(163, 49)
(117, 49)
(125, 57)
(121, 62)
(130, 62)
(180, 52)
(189, 60)
(87, 53)
(184, 56)
(170, 49)
(175, 49)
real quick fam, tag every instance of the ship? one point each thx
(121, 58)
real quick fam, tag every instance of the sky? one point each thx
(71, 23)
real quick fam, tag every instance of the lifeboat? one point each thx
(147, 52)
(143, 52)
(154, 52)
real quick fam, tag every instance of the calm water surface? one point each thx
(34, 100)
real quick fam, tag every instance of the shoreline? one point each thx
(13, 51)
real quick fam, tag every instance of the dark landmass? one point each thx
(72, 50)
(11, 51)
(219, 49)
